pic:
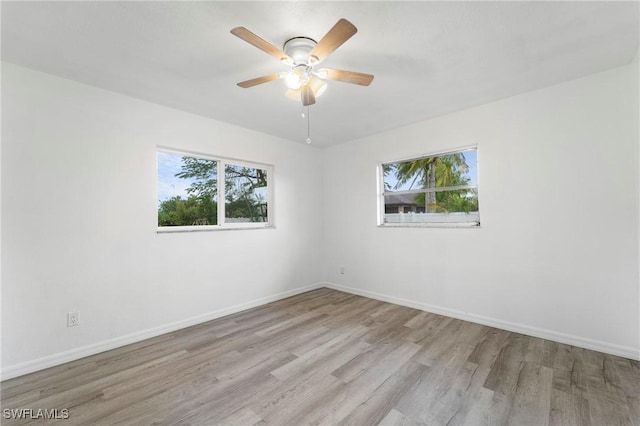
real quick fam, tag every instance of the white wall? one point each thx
(557, 252)
(79, 222)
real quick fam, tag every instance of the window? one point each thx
(439, 189)
(199, 192)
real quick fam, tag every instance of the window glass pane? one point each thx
(456, 201)
(460, 205)
(438, 171)
(187, 190)
(245, 194)
(455, 206)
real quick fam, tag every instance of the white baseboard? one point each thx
(77, 353)
(582, 342)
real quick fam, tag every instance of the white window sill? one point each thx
(207, 228)
(429, 225)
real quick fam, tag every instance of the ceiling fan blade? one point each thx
(342, 31)
(308, 98)
(346, 76)
(260, 80)
(261, 44)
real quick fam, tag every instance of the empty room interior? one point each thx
(292, 213)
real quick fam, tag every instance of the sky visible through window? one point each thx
(168, 184)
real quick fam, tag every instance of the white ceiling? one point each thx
(428, 58)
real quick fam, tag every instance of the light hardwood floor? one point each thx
(327, 357)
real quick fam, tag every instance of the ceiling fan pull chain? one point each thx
(308, 125)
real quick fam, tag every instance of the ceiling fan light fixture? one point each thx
(318, 86)
(297, 77)
(292, 80)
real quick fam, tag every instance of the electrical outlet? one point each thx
(342, 269)
(73, 319)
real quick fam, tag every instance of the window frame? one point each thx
(381, 193)
(221, 162)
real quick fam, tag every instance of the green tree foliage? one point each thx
(255, 178)
(205, 175)
(437, 172)
(200, 207)
(177, 211)
(242, 199)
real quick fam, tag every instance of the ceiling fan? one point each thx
(302, 54)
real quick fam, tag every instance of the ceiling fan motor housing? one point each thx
(299, 49)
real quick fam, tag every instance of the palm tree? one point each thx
(420, 171)
(434, 172)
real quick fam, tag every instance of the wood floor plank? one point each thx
(604, 410)
(242, 417)
(140, 388)
(505, 370)
(633, 403)
(568, 409)
(474, 410)
(389, 328)
(541, 351)
(443, 393)
(340, 405)
(488, 349)
(294, 396)
(532, 399)
(222, 398)
(433, 325)
(396, 418)
(386, 396)
(449, 340)
(419, 320)
(284, 325)
(361, 363)
(328, 357)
